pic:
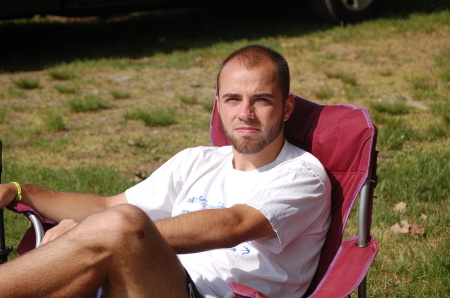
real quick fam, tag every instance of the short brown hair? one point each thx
(253, 55)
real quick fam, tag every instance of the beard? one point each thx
(250, 145)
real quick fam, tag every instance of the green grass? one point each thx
(441, 109)
(26, 83)
(53, 121)
(391, 108)
(423, 88)
(408, 176)
(61, 74)
(67, 88)
(157, 117)
(189, 100)
(118, 94)
(387, 72)
(61, 131)
(323, 93)
(5, 114)
(13, 93)
(208, 106)
(344, 77)
(101, 180)
(88, 103)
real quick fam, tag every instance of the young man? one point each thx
(256, 212)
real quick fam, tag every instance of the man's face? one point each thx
(251, 106)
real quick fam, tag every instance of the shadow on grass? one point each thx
(29, 46)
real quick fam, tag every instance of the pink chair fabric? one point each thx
(347, 269)
(242, 291)
(343, 138)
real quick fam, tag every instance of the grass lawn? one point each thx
(95, 105)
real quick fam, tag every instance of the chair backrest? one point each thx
(343, 138)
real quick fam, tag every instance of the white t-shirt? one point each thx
(293, 193)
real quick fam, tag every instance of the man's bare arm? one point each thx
(56, 205)
(187, 233)
(214, 228)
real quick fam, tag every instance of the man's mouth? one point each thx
(247, 129)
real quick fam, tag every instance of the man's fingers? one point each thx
(63, 227)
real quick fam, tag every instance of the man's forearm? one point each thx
(196, 231)
(57, 206)
(215, 228)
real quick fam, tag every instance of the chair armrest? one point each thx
(348, 269)
(33, 236)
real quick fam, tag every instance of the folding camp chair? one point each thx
(343, 138)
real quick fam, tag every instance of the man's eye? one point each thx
(263, 100)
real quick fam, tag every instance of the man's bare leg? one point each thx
(119, 249)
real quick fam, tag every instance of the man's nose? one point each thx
(247, 110)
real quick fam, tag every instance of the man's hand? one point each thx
(63, 227)
(8, 193)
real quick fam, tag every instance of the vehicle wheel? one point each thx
(348, 11)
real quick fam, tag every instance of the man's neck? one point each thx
(250, 162)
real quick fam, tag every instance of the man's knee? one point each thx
(116, 227)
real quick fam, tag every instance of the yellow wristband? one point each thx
(19, 191)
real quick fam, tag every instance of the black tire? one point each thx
(346, 11)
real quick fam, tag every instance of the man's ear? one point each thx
(289, 107)
(217, 103)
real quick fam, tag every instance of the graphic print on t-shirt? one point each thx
(200, 203)
(241, 249)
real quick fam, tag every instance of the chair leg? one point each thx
(4, 251)
(363, 216)
(362, 288)
(362, 229)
